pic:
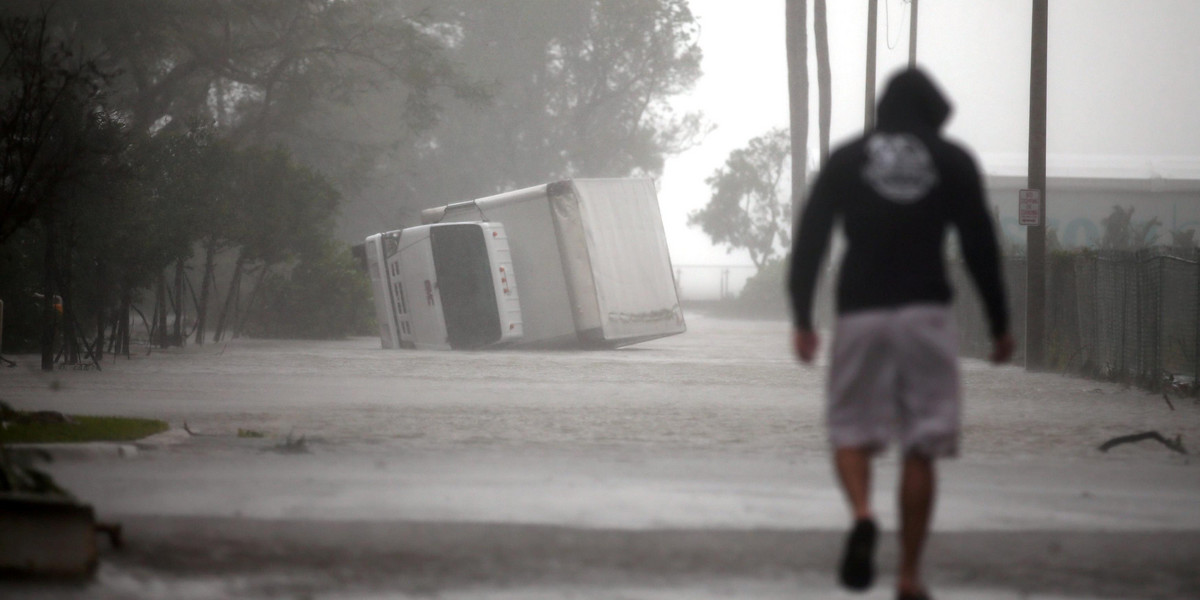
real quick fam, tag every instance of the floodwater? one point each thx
(689, 467)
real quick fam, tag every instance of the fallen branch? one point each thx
(190, 432)
(1176, 444)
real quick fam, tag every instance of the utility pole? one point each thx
(796, 15)
(872, 28)
(1035, 235)
(824, 87)
(912, 36)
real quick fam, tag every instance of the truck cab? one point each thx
(444, 286)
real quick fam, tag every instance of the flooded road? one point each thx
(688, 467)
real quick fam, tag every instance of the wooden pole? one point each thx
(797, 65)
(872, 29)
(824, 77)
(1035, 298)
(912, 36)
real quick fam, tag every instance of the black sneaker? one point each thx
(858, 559)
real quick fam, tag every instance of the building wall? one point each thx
(1076, 208)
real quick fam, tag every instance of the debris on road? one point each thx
(1175, 445)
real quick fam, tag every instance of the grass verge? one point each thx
(23, 430)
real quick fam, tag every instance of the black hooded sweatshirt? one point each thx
(896, 192)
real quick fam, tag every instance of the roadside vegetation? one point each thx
(176, 172)
(45, 427)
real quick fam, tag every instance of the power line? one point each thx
(887, 19)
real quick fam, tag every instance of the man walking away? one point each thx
(894, 366)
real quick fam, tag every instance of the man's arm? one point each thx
(808, 248)
(982, 254)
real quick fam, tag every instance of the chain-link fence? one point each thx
(1124, 316)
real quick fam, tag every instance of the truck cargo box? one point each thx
(591, 256)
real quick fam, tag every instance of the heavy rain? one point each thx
(496, 299)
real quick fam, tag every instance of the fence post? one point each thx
(1097, 352)
(1139, 356)
(1123, 322)
(1159, 346)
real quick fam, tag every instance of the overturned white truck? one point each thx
(590, 255)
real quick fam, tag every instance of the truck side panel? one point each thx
(577, 261)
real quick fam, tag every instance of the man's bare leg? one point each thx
(853, 467)
(857, 569)
(917, 492)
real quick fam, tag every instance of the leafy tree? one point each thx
(578, 88)
(286, 210)
(747, 209)
(21, 289)
(106, 243)
(257, 68)
(58, 147)
(47, 94)
(325, 296)
(267, 73)
(1183, 242)
(1122, 233)
(216, 226)
(761, 293)
(184, 172)
(311, 75)
(110, 181)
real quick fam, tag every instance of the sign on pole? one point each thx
(1029, 207)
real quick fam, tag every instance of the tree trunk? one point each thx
(824, 85)
(797, 61)
(230, 303)
(65, 301)
(254, 296)
(159, 338)
(98, 346)
(210, 257)
(126, 307)
(49, 318)
(177, 330)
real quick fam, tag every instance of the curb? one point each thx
(166, 438)
(82, 450)
(86, 450)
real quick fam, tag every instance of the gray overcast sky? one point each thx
(1124, 84)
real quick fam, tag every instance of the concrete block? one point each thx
(44, 536)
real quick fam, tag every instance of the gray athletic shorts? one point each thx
(894, 377)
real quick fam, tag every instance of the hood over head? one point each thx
(912, 100)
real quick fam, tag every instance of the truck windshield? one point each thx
(464, 278)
